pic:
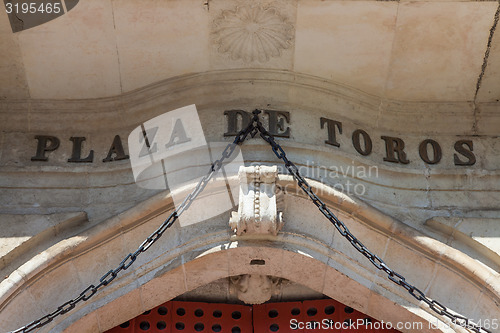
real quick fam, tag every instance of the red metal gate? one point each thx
(188, 317)
(326, 315)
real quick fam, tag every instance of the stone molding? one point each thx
(25, 234)
(125, 111)
(476, 233)
(31, 276)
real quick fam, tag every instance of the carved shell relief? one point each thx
(252, 32)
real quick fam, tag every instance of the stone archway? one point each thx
(196, 255)
(219, 263)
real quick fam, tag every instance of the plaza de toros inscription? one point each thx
(279, 122)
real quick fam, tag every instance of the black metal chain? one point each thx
(253, 127)
(356, 243)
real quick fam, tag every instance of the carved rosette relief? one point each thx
(260, 209)
(252, 32)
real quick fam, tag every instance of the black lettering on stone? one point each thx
(393, 147)
(464, 148)
(236, 121)
(45, 144)
(436, 148)
(76, 155)
(277, 123)
(116, 149)
(330, 126)
(357, 144)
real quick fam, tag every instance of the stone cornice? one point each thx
(229, 87)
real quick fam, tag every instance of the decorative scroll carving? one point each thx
(254, 288)
(260, 210)
(252, 32)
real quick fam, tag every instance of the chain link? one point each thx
(374, 259)
(254, 127)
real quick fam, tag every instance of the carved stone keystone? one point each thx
(254, 288)
(260, 209)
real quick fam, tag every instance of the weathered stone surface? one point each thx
(362, 45)
(435, 56)
(354, 49)
(87, 51)
(478, 237)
